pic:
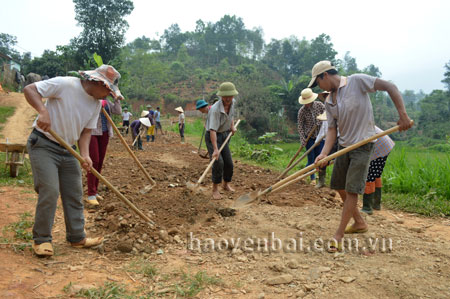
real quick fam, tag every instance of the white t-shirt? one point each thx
(181, 118)
(70, 108)
(126, 115)
(323, 130)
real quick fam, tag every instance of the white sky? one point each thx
(408, 40)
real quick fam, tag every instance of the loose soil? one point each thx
(416, 265)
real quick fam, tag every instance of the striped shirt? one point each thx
(383, 146)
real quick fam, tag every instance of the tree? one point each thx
(349, 64)
(321, 49)
(446, 79)
(172, 39)
(50, 64)
(103, 25)
(434, 117)
(7, 43)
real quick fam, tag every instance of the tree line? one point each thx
(184, 66)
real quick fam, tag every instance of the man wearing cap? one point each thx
(219, 124)
(349, 110)
(137, 130)
(309, 124)
(126, 119)
(157, 118)
(202, 106)
(180, 122)
(72, 111)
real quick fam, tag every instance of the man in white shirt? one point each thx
(72, 110)
(126, 119)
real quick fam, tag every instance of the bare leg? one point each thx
(226, 186)
(349, 211)
(215, 192)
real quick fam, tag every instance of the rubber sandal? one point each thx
(334, 246)
(43, 249)
(92, 202)
(89, 242)
(98, 197)
(351, 230)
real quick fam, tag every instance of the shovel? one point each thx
(252, 196)
(301, 146)
(301, 158)
(101, 178)
(153, 183)
(195, 186)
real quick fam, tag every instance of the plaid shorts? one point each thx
(350, 169)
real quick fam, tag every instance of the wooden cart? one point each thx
(15, 156)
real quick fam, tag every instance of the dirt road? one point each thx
(402, 255)
(18, 126)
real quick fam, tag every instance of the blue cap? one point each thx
(201, 104)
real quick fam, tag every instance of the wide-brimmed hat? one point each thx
(227, 89)
(319, 68)
(144, 113)
(145, 121)
(322, 116)
(106, 74)
(179, 109)
(149, 106)
(200, 104)
(307, 96)
(125, 108)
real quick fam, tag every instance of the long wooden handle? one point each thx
(331, 157)
(100, 177)
(301, 158)
(127, 147)
(301, 146)
(213, 160)
(298, 179)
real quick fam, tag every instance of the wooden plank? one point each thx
(12, 147)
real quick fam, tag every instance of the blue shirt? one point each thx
(157, 114)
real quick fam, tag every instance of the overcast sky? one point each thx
(408, 40)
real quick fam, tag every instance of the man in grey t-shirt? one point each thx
(219, 124)
(349, 110)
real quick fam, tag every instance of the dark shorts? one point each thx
(126, 123)
(350, 169)
(158, 125)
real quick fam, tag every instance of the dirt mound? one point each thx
(170, 204)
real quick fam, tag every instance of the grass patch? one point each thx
(110, 290)
(191, 285)
(143, 267)
(428, 205)
(21, 228)
(25, 177)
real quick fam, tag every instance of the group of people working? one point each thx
(73, 111)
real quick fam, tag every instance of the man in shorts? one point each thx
(349, 110)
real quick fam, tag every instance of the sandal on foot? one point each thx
(334, 246)
(89, 242)
(43, 249)
(92, 200)
(351, 230)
